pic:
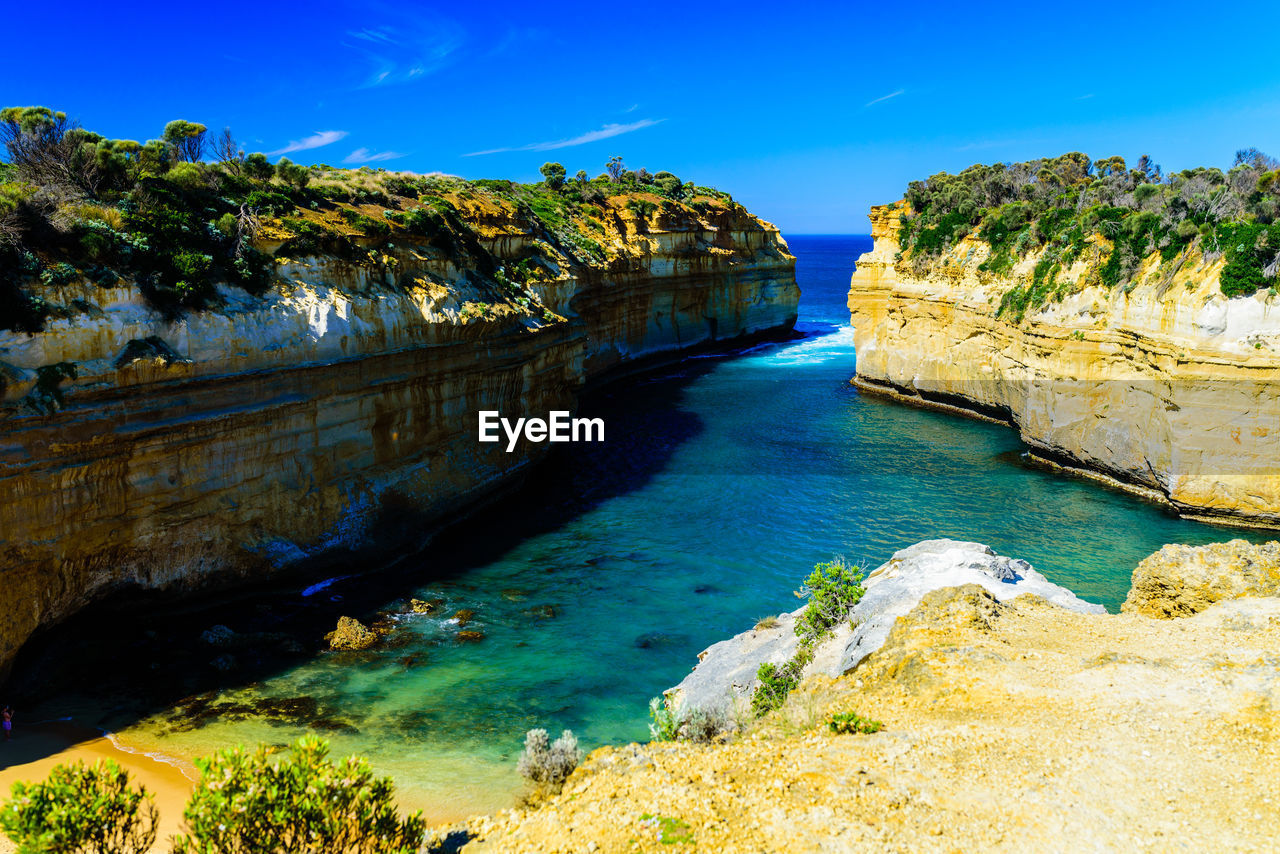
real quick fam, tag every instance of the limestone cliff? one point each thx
(268, 430)
(1165, 384)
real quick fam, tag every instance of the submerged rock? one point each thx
(726, 672)
(470, 636)
(1179, 580)
(351, 634)
(464, 616)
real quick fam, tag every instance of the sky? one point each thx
(807, 113)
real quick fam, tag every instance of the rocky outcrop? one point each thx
(351, 634)
(1008, 725)
(340, 408)
(1165, 385)
(1179, 581)
(725, 674)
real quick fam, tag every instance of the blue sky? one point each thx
(807, 113)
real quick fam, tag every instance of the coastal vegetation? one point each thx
(547, 764)
(183, 214)
(81, 808)
(833, 588)
(1071, 208)
(246, 802)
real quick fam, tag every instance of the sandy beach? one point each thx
(36, 749)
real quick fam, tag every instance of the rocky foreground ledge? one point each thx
(1011, 722)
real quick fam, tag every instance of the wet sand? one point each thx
(36, 749)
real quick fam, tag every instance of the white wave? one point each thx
(152, 755)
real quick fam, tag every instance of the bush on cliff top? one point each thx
(833, 588)
(246, 802)
(1056, 205)
(75, 206)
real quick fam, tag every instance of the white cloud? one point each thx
(316, 140)
(885, 97)
(364, 155)
(606, 132)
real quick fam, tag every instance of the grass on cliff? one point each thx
(1116, 216)
(185, 213)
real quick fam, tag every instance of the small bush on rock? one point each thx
(79, 808)
(548, 764)
(851, 723)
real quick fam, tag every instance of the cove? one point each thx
(720, 483)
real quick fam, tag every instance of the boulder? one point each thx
(725, 674)
(351, 634)
(1179, 580)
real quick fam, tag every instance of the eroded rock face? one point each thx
(274, 430)
(1179, 580)
(1166, 386)
(726, 672)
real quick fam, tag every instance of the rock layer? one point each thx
(1179, 580)
(242, 441)
(1164, 385)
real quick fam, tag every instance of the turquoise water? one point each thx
(721, 482)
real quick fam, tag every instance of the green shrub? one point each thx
(833, 588)
(775, 684)
(849, 723)
(663, 725)
(79, 808)
(253, 803)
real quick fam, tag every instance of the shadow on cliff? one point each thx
(136, 654)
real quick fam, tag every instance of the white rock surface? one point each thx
(725, 674)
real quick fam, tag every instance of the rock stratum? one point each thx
(269, 430)
(1009, 724)
(1164, 385)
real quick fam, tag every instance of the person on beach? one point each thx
(8, 722)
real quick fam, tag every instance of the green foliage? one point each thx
(186, 139)
(663, 725)
(671, 831)
(252, 803)
(775, 684)
(553, 174)
(291, 173)
(45, 396)
(833, 588)
(1250, 249)
(79, 808)
(1058, 206)
(258, 167)
(643, 208)
(851, 723)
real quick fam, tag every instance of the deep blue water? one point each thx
(721, 483)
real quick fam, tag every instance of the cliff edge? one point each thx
(1130, 353)
(1013, 725)
(168, 435)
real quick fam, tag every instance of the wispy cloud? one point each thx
(885, 97)
(606, 132)
(412, 47)
(364, 155)
(1084, 97)
(316, 140)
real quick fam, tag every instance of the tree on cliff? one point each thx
(554, 174)
(616, 168)
(187, 139)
